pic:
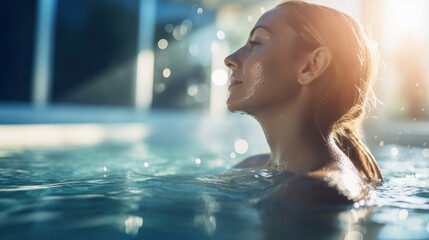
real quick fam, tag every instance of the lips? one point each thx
(235, 81)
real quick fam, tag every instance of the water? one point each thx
(178, 184)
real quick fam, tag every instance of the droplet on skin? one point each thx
(256, 75)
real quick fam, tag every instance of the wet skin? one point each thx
(264, 69)
(277, 84)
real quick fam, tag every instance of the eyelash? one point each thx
(253, 43)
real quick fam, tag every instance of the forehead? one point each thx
(275, 20)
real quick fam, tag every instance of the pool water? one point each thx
(177, 183)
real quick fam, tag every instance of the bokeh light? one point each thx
(162, 44)
(241, 146)
(219, 77)
(220, 34)
(166, 72)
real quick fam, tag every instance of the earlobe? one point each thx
(315, 65)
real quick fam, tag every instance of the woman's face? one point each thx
(265, 69)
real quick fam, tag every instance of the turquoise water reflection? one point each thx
(175, 190)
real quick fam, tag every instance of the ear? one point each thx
(315, 65)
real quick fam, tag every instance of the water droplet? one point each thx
(241, 146)
(187, 23)
(403, 214)
(133, 224)
(193, 49)
(183, 30)
(192, 90)
(105, 169)
(232, 155)
(394, 151)
(426, 153)
(146, 164)
(169, 28)
(220, 34)
(176, 32)
(166, 72)
(263, 10)
(160, 87)
(381, 143)
(162, 44)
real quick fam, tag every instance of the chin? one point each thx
(233, 105)
(238, 106)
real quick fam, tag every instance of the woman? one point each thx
(305, 75)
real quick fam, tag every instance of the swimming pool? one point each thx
(164, 178)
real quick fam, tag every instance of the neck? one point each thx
(296, 143)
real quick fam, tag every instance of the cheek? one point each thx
(256, 78)
(272, 77)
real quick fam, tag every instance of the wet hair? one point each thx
(346, 86)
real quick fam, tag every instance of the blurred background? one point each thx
(148, 55)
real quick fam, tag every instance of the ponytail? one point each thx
(349, 141)
(345, 90)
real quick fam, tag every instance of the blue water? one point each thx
(174, 185)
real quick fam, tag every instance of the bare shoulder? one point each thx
(255, 161)
(325, 187)
(309, 191)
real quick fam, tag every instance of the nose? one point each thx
(232, 62)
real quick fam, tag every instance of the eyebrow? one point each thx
(254, 29)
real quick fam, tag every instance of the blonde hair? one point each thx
(347, 87)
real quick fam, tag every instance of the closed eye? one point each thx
(253, 43)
